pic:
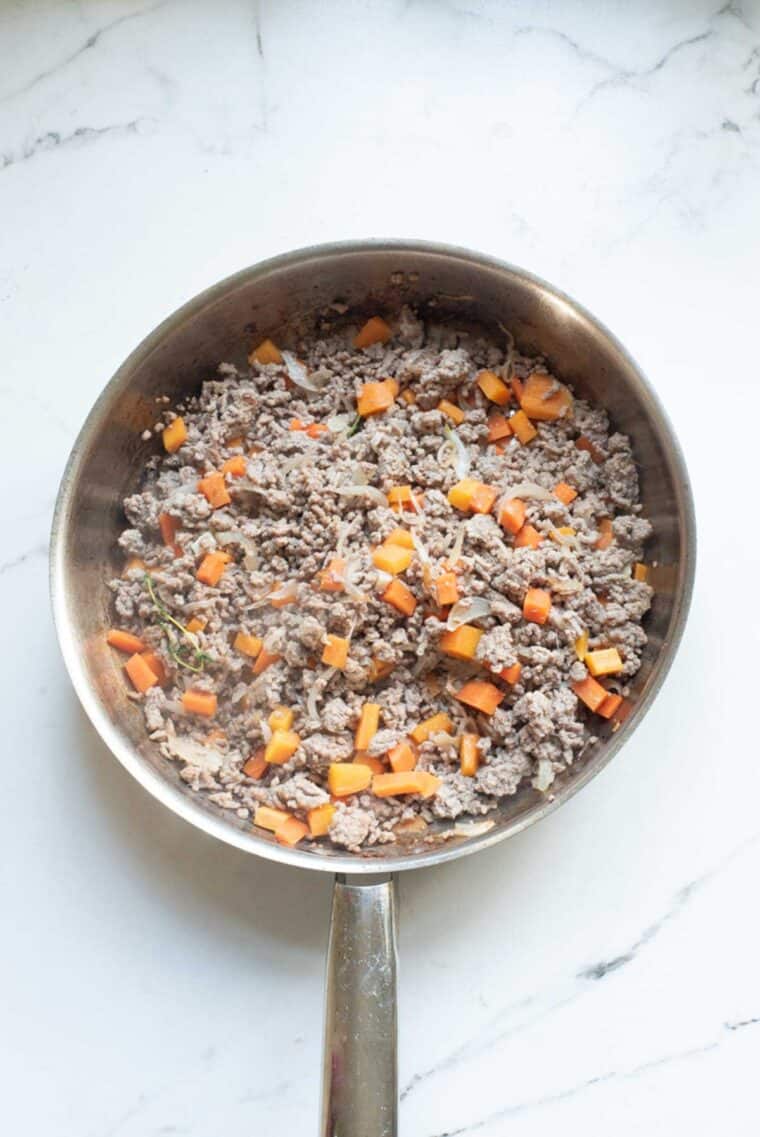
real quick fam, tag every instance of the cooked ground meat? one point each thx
(307, 509)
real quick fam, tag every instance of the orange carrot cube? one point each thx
(400, 537)
(392, 558)
(468, 755)
(332, 578)
(512, 515)
(344, 778)
(446, 589)
(543, 404)
(266, 352)
(291, 832)
(565, 493)
(609, 706)
(211, 567)
(214, 489)
(256, 766)
(437, 724)
(335, 651)
(472, 495)
(494, 388)
(528, 538)
(511, 674)
(247, 645)
(199, 703)
(400, 597)
(537, 605)
(606, 661)
(376, 397)
(522, 428)
(281, 746)
(236, 466)
(174, 435)
(268, 818)
(263, 660)
(319, 819)
(141, 675)
(374, 331)
(481, 695)
(462, 642)
(369, 721)
(590, 692)
(498, 427)
(281, 718)
(640, 571)
(605, 534)
(402, 757)
(452, 411)
(124, 641)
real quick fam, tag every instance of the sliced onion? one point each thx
(466, 609)
(473, 828)
(287, 591)
(195, 753)
(343, 528)
(382, 579)
(527, 490)
(443, 740)
(424, 555)
(462, 463)
(336, 424)
(455, 551)
(544, 775)
(311, 702)
(372, 492)
(238, 537)
(349, 585)
(298, 374)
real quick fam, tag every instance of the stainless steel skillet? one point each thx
(360, 1092)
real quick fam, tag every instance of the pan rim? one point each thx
(193, 811)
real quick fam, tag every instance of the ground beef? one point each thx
(301, 499)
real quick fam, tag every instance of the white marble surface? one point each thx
(598, 974)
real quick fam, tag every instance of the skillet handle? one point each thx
(360, 1078)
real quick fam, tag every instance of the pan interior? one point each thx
(220, 325)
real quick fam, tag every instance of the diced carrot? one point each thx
(611, 704)
(211, 567)
(315, 429)
(124, 641)
(590, 692)
(606, 661)
(374, 331)
(400, 597)
(236, 466)
(319, 819)
(468, 755)
(199, 703)
(581, 646)
(537, 605)
(511, 674)
(563, 531)
(455, 413)
(640, 571)
(379, 669)
(141, 675)
(174, 435)
(446, 589)
(281, 746)
(266, 352)
(291, 832)
(481, 695)
(565, 493)
(472, 495)
(296, 424)
(392, 558)
(402, 757)
(256, 766)
(155, 663)
(411, 782)
(369, 720)
(440, 723)
(605, 534)
(247, 645)
(409, 396)
(512, 515)
(499, 449)
(196, 624)
(494, 388)
(214, 489)
(543, 404)
(263, 660)
(335, 651)
(498, 427)
(400, 537)
(400, 495)
(344, 778)
(591, 448)
(332, 578)
(522, 428)
(376, 397)
(282, 595)
(169, 526)
(528, 538)
(374, 764)
(267, 818)
(281, 718)
(462, 642)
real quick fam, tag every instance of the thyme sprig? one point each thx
(355, 426)
(184, 647)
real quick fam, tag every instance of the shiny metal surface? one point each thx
(360, 1080)
(220, 324)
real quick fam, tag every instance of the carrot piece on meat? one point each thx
(565, 493)
(581, 646)
(400, 537)
(609, 706)
(168, 526)
(236, 466)
(583, 443)
(376, 397)
(319, 819)
(247, 645)
(409, 396)
(374, 331)
(640, 571)
(369, 721)
(335, 651)
(537, 605)
(468, 755)
(446, 589)
(512, 515)
(469, 494)
(452, 411)
(374, 764)
(522, 428)
(494, 388)
(606, 661)
(481, 695)
(124, 641)
(412, 782)
(528, 538)
(517, 387)
(214, 489)
(199, 703)
(140, 673)
(291, 832)
(211, 567)
(400, 597)
(605, 534)
(511, 674)
(440, 723)
(266, 352)
(344, 778)
(281, 746)
(462, 642)
(402, 757)
(156, 665)
(268, 818)
(590, 692)
(256, 766)
(400, 495)
(196, 624)
(281, 718)
(544, 399)
(174, 435)
(315, 429)
(380, 669)
(333, 577)
(498, 427)
(392, 558)
(263, 660)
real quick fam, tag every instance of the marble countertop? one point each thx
(598, 973)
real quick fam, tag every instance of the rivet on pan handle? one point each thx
(360, 1080)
